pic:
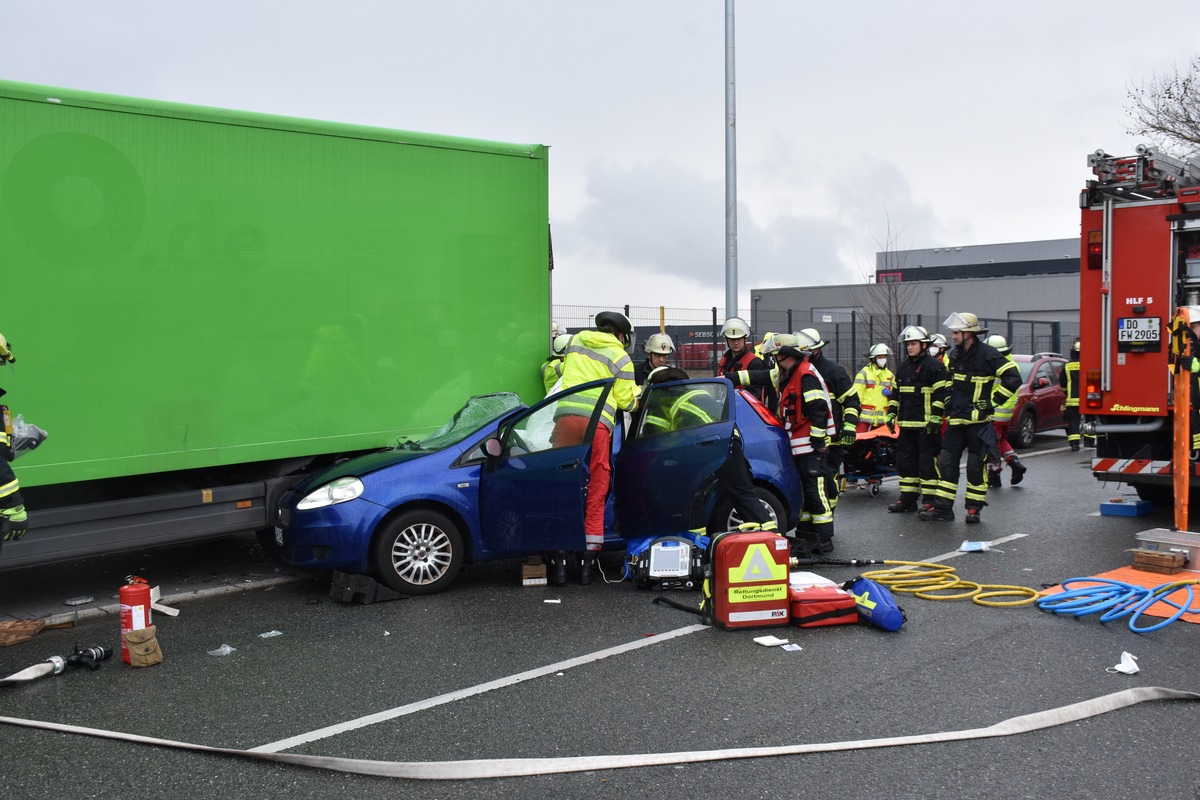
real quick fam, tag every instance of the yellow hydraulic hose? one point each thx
(930, 581)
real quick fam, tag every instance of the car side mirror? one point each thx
(1042, 383)
(492, 447)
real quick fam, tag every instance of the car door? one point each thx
(677, 440)
(1048, 396)
(531, 495)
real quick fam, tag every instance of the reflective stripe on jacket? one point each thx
(872, 382)
(593, 355)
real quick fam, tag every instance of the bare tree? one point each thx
(886, 304)
(1167, 109)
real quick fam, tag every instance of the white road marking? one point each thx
(450, 697)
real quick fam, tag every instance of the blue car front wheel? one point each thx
(418, 552)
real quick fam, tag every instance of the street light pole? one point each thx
(730, 171)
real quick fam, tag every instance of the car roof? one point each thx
(1037, 356)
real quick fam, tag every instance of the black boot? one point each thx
(587, 566)
(1018, 470)
(556, 568)
(994, 479)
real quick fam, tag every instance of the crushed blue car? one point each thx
(490, 485)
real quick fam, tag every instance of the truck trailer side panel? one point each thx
(192, 288)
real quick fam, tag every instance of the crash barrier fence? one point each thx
(699, 346)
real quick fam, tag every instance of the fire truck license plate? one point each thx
(1138, 330)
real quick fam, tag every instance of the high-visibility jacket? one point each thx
(875, 387)
(806, 409)
(1004, 411)
(922, 386)
(1068, 379)
(842, 390)
(682, 408)
(552, 369)
(593, 355)
(981, 378)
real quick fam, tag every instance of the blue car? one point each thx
(490, 484)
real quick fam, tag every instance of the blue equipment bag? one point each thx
(875, 604)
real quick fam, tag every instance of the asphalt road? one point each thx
(955, 665)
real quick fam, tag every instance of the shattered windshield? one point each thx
(477, 413)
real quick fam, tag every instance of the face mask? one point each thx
(934, 350)
(881, 362)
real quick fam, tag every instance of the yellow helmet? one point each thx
(561, 343)
(999, 342)
(964, 321)
(6, 356)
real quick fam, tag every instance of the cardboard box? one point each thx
(533, 572)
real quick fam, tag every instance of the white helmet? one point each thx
(938, 340)
(999, 342)
(553, 329)
(812, 334)
(964, 321)
(560, 344)
(659, 343)
(808, 341)
(6, 355)
(913, 333)
(735, 328)
(880, 349)
(776, 342)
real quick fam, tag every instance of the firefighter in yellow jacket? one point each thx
(592, 355)
(875, 384)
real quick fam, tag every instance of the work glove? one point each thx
(981, 405)
(846, 440)
(891, 423)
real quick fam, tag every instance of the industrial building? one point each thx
(1026, 291)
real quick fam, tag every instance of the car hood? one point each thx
(361, 465)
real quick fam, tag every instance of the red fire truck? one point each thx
(1139, 261)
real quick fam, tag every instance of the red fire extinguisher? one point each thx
(135, 609)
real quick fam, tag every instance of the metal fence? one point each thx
(698, 346)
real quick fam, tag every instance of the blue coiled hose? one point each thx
(1116, 599)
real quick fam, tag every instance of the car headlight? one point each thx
(336, 491)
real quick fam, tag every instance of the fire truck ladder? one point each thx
(1149, 175)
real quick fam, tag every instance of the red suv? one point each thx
(1040, 398)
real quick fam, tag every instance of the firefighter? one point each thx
(806, 411)
(739, 357)
(1192, 364)
(843, 392)
(939, 349)
(552, 367)
(980, 379)
(592, 355)
(1068, 379)
(690, 407)
(13, 516)
(1001, 419)
(917, 407)
(658, 349)
(875, 383)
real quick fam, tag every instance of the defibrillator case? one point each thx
(668, 562)
(746, 579)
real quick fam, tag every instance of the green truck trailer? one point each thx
(204, 304)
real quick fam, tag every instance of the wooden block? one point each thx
(30, 627)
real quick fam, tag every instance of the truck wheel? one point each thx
(266, 540)
(418, 552)
(725, 517)
(1161, 496)
(1026, 430)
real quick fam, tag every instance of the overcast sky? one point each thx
(859, 125)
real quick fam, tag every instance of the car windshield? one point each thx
(478, 411)
(1025, 368)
